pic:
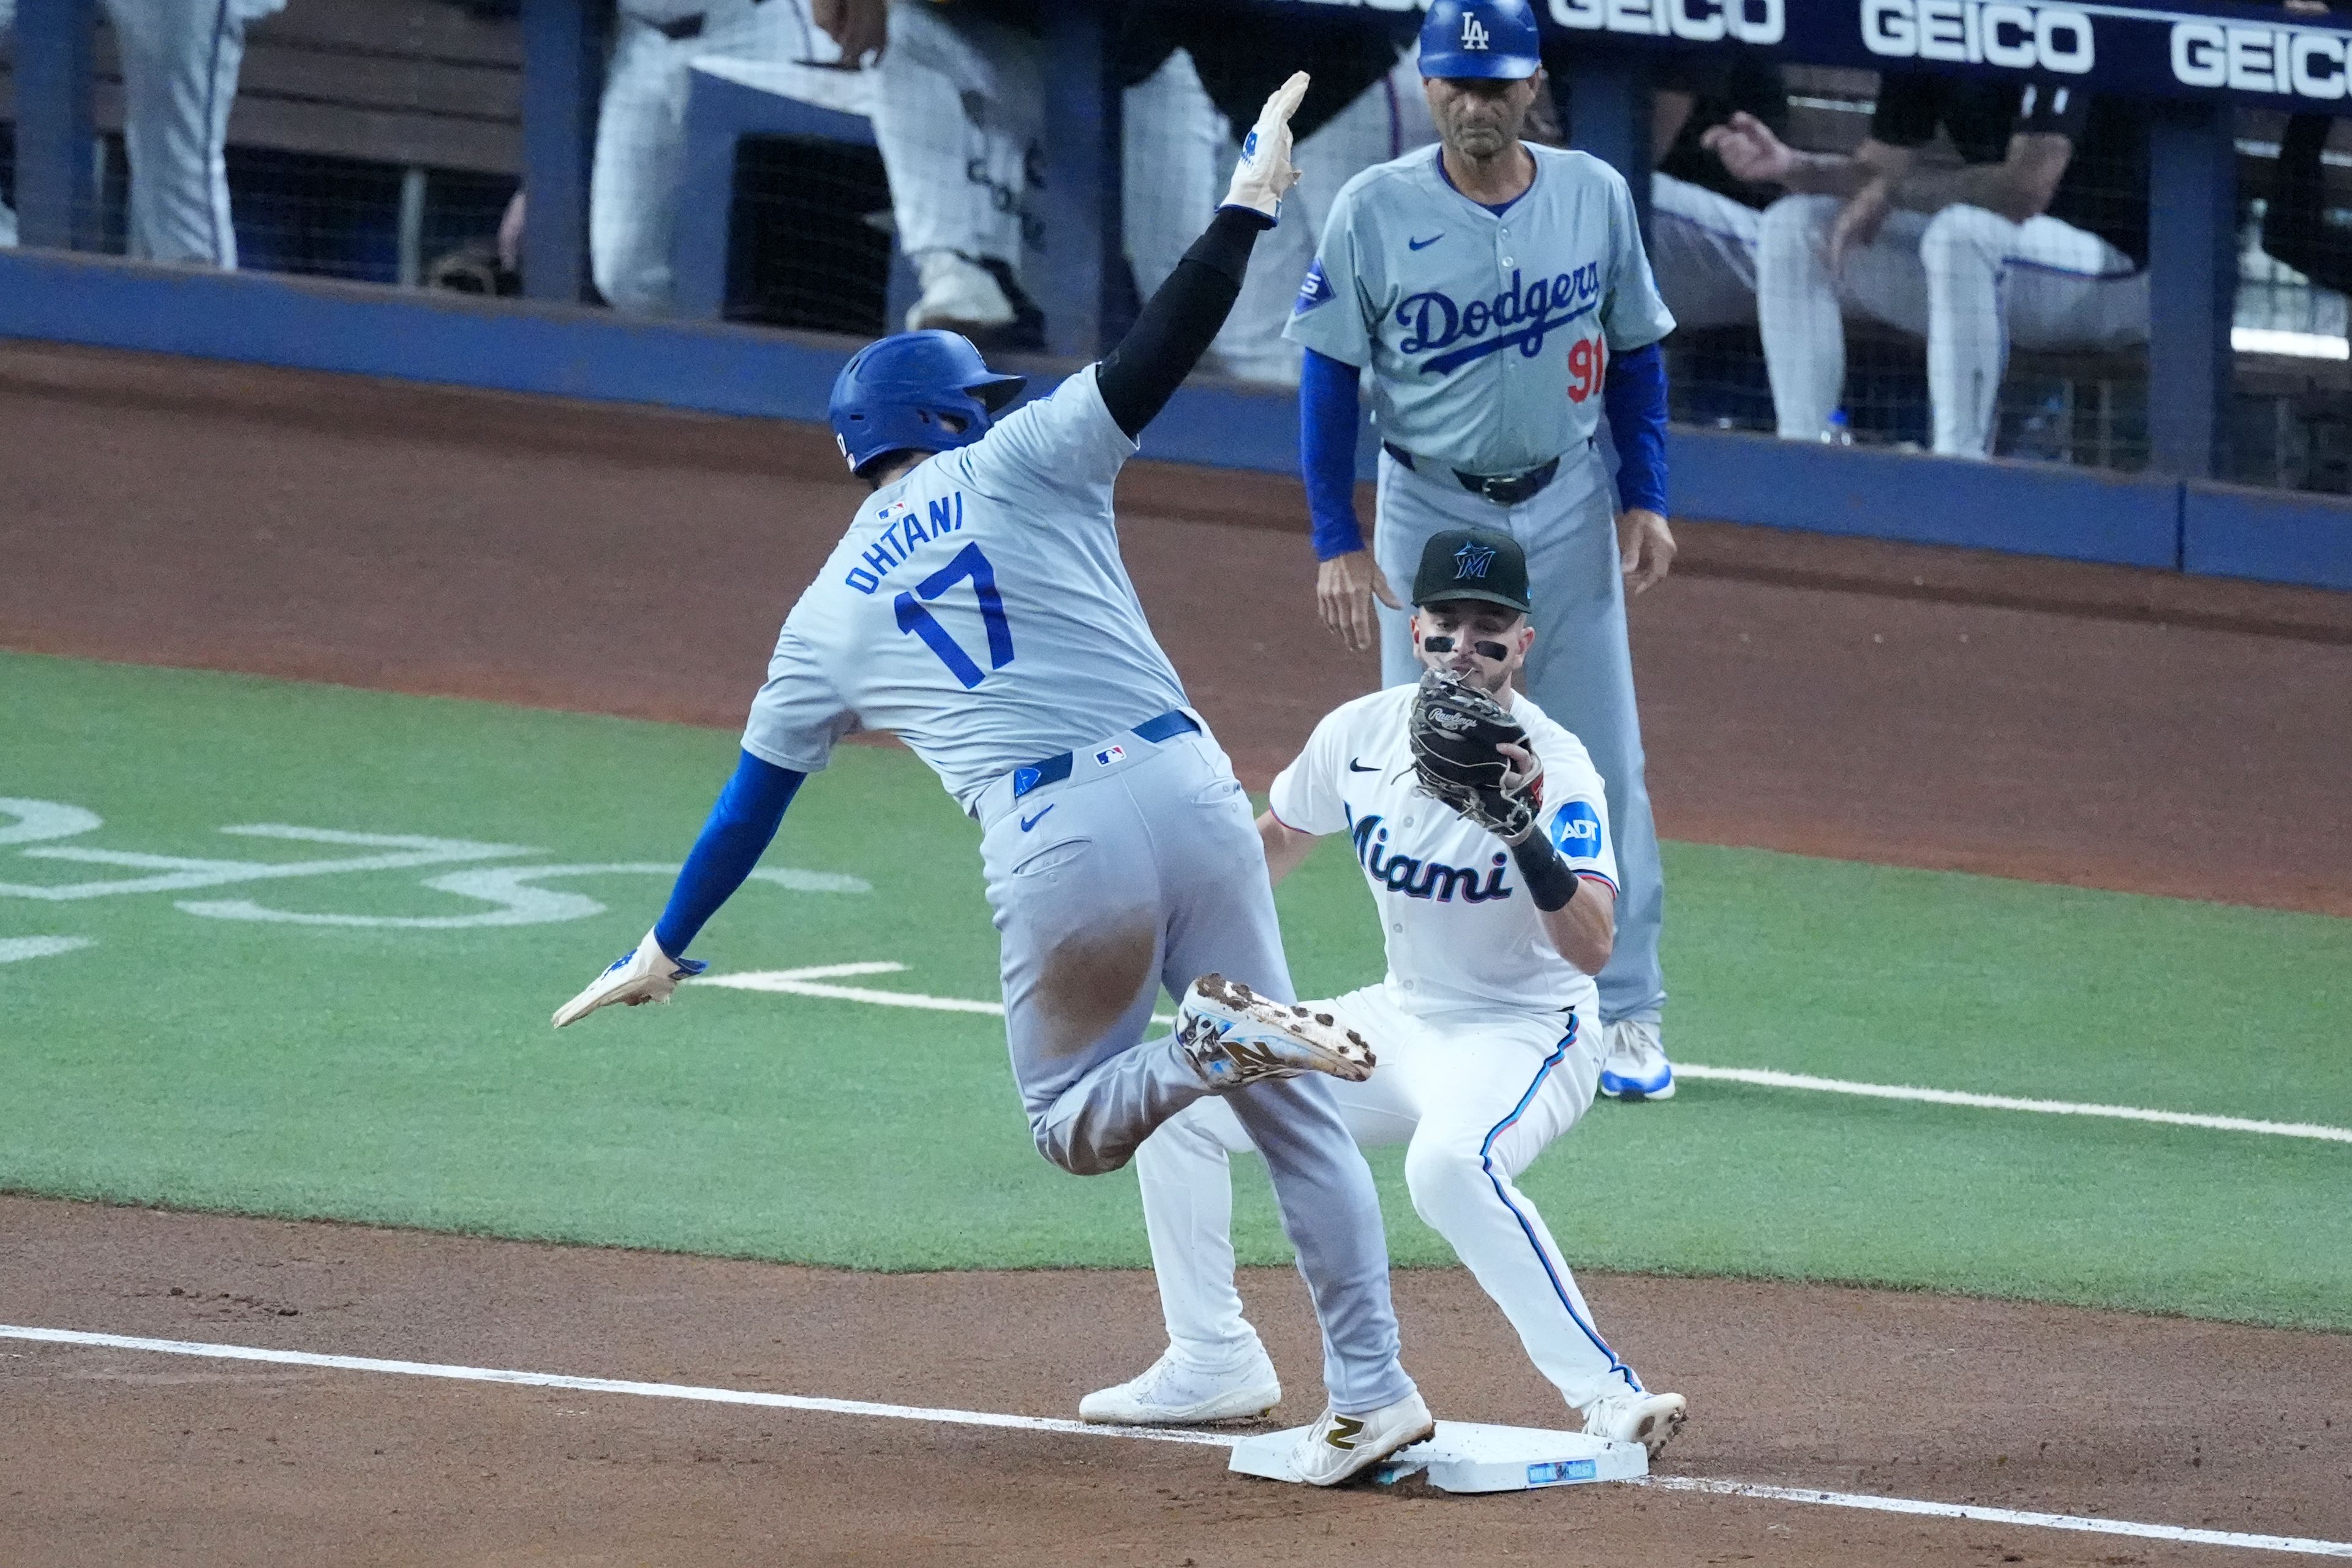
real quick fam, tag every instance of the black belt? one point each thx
(1054, 770)
(1503, 489)
(683, 27)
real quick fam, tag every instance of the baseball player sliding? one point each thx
(978, 606)
(1482, 829)
(1499, 293)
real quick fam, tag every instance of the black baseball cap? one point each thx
(1473, 563)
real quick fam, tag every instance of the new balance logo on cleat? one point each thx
(1343, 1431)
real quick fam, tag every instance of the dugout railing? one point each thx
(435, 94)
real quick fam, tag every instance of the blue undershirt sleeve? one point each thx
(1326, 452)
(1634, 391)
(741, 826)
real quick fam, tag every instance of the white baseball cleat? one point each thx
(644, 973)
(1232, 1035)
(959, 294)
(1338, 1447)
(1632, 1416)
(1635, 1067)
(1173, 1394)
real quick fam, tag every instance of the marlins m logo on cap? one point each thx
(1471, 562)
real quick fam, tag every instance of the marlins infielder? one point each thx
(978, 608)
(1493, 929)
(1500, 295)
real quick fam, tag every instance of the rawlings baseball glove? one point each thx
(1457, 733)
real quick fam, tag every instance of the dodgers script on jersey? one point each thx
(977, 608)
(1461, 930)
(1489, 334)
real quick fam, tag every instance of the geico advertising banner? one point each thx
(2187, 47)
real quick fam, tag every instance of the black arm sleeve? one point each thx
(1176, 327)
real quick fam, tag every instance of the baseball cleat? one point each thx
(1635, 1067)
(1338, 1447)
(959, 294)
(644, 973)
(1232, 1035)
(1631, 1416)
(1173, 1394)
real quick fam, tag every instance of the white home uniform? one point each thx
(1488, 336)
(1486, 1047)
(978, 608)
(1703, 250)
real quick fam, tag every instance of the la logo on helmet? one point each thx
(1474, 33)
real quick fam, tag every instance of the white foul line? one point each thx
(16, 949)
(811, 983)
(1916, 1507)
(1767, 1079)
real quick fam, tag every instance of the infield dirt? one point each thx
(635, 562)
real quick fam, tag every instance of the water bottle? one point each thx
(1838, 432)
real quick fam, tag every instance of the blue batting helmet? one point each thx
(1495, 38)
(923, 392)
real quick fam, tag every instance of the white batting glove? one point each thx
(644, 973)
(1264, 171)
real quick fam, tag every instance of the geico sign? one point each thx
(1700, 21)
(2010, 34)
(2259, 59)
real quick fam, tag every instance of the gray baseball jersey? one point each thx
(977, 608)
(1488, 333)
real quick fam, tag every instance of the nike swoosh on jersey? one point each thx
(1029, 822)
(1412, 243)
(1356, 767)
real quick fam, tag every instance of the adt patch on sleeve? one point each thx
(1576, 831)
(1315, 291)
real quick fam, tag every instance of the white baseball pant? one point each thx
(1474, 1098)
(641, 126)
(1968, 280)
(958, 112)
(180, 64)
(1175, 156)
(1384, 121)
(1703, 250)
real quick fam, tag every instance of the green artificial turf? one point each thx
(409, 1075)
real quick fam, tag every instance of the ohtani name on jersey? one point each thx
(898, 539)
(1426, 878)
(1520, 317)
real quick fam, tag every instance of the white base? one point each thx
(1470, 1457)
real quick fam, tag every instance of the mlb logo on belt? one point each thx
(1109, 755)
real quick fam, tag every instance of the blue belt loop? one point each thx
(1054, 770)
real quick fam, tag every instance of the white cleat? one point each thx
(1338, 1447)
(1631, 1416)
(1635, 1067)
(959, 294)
(1232, 1035)
(644, 973)
(1172, 1393)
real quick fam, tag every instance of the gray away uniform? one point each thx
(979, 607)
(1488, 336)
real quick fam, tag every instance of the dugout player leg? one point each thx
(1801, 303)
(1153, 874)
(180, 63)
(2046, 283)
(957, 119)
(1581, 670)
(1702, 252)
